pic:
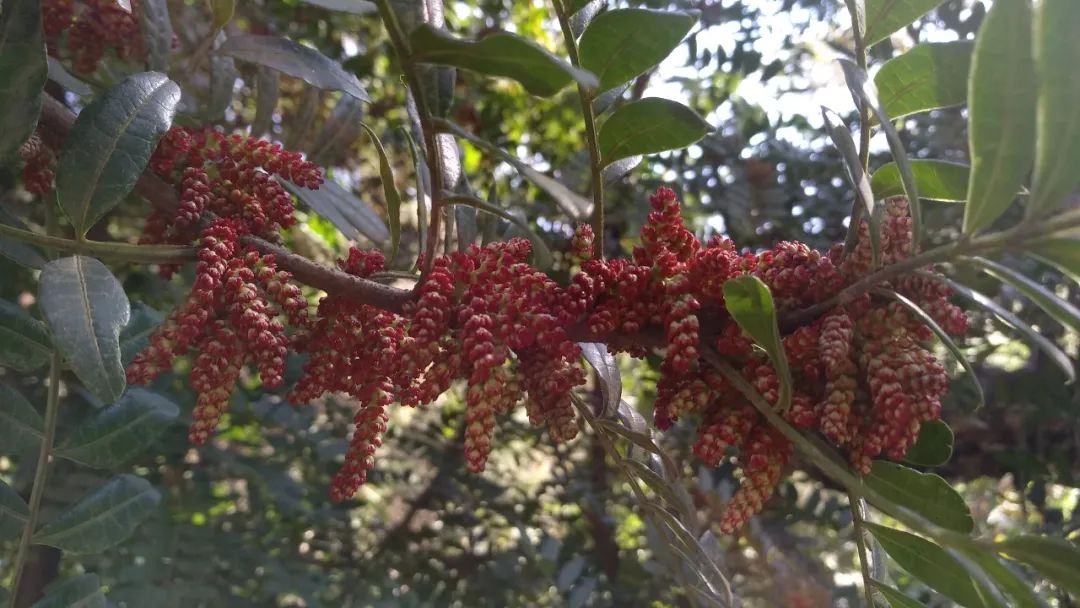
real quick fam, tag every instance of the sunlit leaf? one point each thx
(1061, 253)
(390, 192)
(103, 519)
(883, 17)
(623, 43)
(648, 126)
(751, 306)
(929, 563)
(934, 445)
(896, 598)
(1055, 558)
(294, 59)
(928, 77)
(1060, 309)
(924, 493)
(938, 180)
(23, 71)
(1021, 591)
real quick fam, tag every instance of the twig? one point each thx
(858, 506)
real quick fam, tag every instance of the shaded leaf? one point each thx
(110, 144)
(840, 135)
(86, 308)
(582, 592)
(1060, 309)
(934, 445)
(648, 126)
(294, 59)
(1001, 112)
(569, 572)
(83, 591)
(157, 33)
(506, 55)
(352, 216)
(267, 89)
(223, 75)
(929, 563)
(1007, 579)
(897, 599)
(1055, 558)
(924, 493)
(23, 71)
(18, 251)
(59, 74)
(624, 43)
(119, 433)
(390, 193)
(938, 180)
(883, 17)
(24, 341)
(103, 519)
(607, 372)
(354, 7)
(751, 305)
(136, 334)
(927, 77)
(14, 512)
(1061, 253)
(542, 258)
(20, 424)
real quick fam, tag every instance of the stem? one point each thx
(589, 117)
(126, 252)
(858, 507)
(37, 492)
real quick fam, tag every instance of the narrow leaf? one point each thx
(924, 493)
(751, 305)
(110, 144)
(506, 55)
(937, 180)
(103, 519)
(929, 563)
(120, 432)
(1005, 577)
(24, 341)
(569, 572)
(14, 512)
(223, 75)
(1061, 253)
(883, 17)
(157, 33)
(344, 210)
(59, 74)
(896, 598)
(20, 424)
(86, 308)
(1055, 558)
(390, 193)
(928, 77)
(355, 7)
(607, 372)
(296, 60)
(933, 447)
(136, 334)
(23, 71)
(541, 254)
(624, 43)
(1001, 112)
(18, 251)
(648, 126)
(268, 90)
(845, 144)
(1060, 309)
(83, 591)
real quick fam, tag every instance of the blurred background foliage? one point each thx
(245, 521)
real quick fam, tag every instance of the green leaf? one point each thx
(103, 519)
(1055, 558)
(18, 251)
(840, 135)
(927, 77)
(83, 591)
(924, 493)
(296, 60)
(938, 180)
(506, 55)
(751, 305)
(607, 371)
(897, 599)
(390, 193)
(352, 216)
(1043, 343)
(24, 341)
(136, 334)
(1001, 112)
(157, 33)
(647, 126)
(1061, 253)
(929, 563)
(354, 7)
(222, 12)
(946, 340)
(14, 512)
(1007, 579)
(573, 6)
(110, 144)
(86, 308)
(268, 90)
(542, 257)
(20, 424)
(624, 43)
(883, 17)
(120, 432)
(1057, 154)
(933, 447)
(1060, 309)
(23, 71)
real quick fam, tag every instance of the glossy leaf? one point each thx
(136, 334)
(103, 519)
(751, 305)
(23, 71)
(86, 307)
(1001, 111)
(110, 144)
(933, 447)
(1043, 343)
(1055, 558)
(1007, 579)
(883, 17)
(607, 372)
(929, 563)
(1061, 253)
(83, 591)
(1057, 155)
(21, 425)
(120, 432)
(24, 341)
(14, 512)
(354, 7)
(157, 33)
(648, 126)
(924, 493)
(938, 180)
(624, 43)
(896, 598)
(294, 59)
(928, 77)
(506, 55)
(1060, 309)
(352, 216)
(390, 193)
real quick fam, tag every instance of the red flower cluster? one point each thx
(234, 312)
(38, 160)
(93, 28)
